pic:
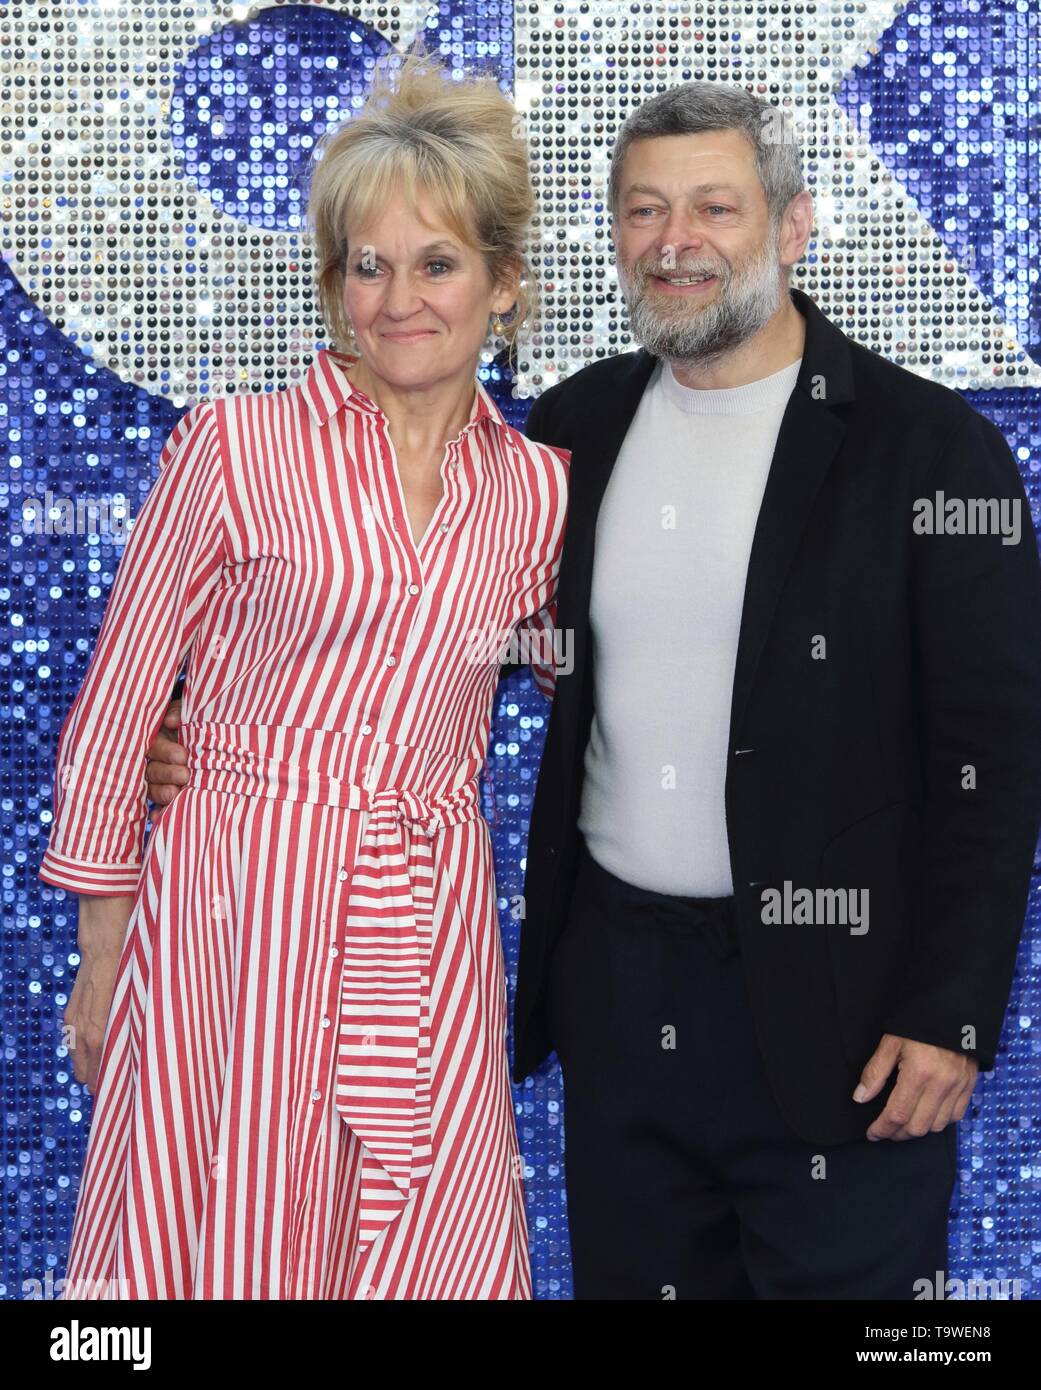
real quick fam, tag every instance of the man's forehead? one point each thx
(715, 186)
(733, 161)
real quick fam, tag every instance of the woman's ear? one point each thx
(507, 287)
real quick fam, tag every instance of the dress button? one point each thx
(366, 728)
(326, 1021)
(413, 588)
(334, 950)
(444, 526)
(392, 661)
(342, 875)
(316, 1095)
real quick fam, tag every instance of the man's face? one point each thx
(693, 206)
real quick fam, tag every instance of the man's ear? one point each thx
(797, 228)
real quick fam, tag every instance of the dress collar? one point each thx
(327, 388)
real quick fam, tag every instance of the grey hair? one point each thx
(692, 107)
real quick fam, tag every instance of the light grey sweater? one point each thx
(673, 539)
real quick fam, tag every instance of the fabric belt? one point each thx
(382, 1085)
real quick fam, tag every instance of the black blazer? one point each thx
(846, 772)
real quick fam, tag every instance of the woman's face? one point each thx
(419, 299)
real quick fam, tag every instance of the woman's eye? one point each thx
(369, 272)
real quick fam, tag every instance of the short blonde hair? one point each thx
(458, 142)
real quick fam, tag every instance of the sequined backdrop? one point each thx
(153, 209)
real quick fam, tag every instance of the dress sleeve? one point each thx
(170, 565)
(536, 635)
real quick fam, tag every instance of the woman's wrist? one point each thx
(102, 923)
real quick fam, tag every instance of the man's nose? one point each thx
(680, 236)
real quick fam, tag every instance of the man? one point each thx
(791, 785)
(789, 676)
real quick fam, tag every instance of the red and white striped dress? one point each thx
(303, 1089)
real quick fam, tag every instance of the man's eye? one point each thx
(636, 211)
(717, 207)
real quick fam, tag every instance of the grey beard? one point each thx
(744, 302)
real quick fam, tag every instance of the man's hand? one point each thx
(166, 770)
(934, 1087)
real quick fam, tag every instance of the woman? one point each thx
(302, 1088)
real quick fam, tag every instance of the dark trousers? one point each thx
(683, 1178)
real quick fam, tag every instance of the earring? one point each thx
(499, 323)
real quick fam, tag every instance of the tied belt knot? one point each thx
(383, 1055)
(382, 1065)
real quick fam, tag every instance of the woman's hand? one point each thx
(102, 929)
(166, 770)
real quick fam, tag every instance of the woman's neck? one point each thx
(422, 419)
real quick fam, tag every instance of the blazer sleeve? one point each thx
(170, 565)
(977, 636)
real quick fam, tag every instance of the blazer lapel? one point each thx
(599, 441)
(809, 438)
(807, 442)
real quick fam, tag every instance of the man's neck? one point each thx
(776, 345)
